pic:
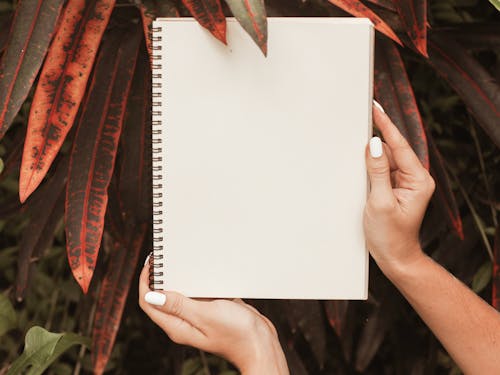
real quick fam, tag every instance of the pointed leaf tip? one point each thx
(251, 14)
(61, 87)
(358, 9)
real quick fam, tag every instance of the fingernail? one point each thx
(379, 107)
(147, 259)
(155, 298)
(375, 147)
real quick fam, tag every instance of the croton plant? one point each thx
(82, 68)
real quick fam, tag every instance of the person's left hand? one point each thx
(229, 328)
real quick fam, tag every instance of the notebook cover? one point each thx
(258, 162)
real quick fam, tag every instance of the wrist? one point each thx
(399, 267)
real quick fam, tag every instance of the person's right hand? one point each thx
(229, 328)
(400, 191)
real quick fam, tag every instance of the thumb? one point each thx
(379, 171)
(175, 304)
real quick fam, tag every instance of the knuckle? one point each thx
(177, 305)
(380, 168)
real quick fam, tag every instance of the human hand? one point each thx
(229, 328)
(400, 191)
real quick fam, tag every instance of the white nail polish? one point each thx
(147, 259)
(155, 298)
(375, 147)
(377, 104)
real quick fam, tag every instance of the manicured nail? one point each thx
(155, 298)
(375, 147)
(147, 259)
(379, 107)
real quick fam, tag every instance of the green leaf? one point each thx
(496, 4)
(251, 14)
(42, 348)
(8, 319)
(1, 165)
(482, 277)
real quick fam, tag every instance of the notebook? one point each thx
(259, 177)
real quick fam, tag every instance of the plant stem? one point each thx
(474, 213)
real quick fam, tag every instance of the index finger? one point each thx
(403, 155)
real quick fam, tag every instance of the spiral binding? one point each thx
(156, 258)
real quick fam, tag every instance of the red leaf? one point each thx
(113, 296)
(496, 272)
(444, 194)
(358, 9)
(336, 313)
(209, 14)
(94, 151)
(32, 28)
(251, 14)
(61, 87)
(135, 172)
(393, 90)
(38, 234)
(477, 88)
(387, 4)
(413, 14)
(150, 9)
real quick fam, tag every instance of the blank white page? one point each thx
(263, 170)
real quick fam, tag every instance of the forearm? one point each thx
(466, 325)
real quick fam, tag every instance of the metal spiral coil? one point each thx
(156, 258)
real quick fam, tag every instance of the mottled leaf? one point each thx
(61, 87)
(113, 296)
(413, 14)
(251, 14)
(32, 28)
(151, 9)
(209, 14)
(393, 90)
(358, 9)
(94, 151)
(444, 196)
(135, 172)
(477, 88)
